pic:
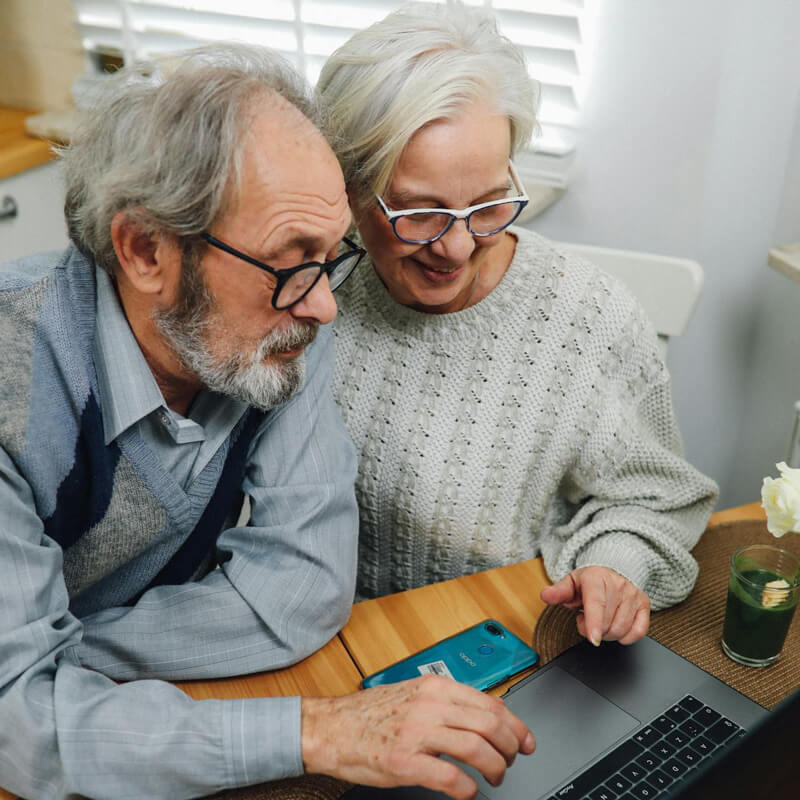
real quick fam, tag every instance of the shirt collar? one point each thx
(128, 390)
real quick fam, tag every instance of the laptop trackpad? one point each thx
(572, 725)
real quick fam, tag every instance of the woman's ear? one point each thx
(356, 208)
(147, 261)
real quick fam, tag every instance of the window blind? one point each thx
(550, 32)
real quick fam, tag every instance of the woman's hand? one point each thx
(613, 608)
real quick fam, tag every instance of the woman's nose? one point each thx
(456, 245)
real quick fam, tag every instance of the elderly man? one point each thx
(151, 375)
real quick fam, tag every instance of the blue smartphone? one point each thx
(481, 656)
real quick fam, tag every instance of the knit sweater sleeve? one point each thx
(634, 504)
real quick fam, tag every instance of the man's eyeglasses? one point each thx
(294, 283)
(426, 225)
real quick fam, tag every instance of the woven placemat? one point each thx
(694, 628)
(306, 787)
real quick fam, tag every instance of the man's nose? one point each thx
(456, 245)
(319, 304)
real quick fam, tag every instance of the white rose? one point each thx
(780, 498)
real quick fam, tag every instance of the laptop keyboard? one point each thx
(650, 762)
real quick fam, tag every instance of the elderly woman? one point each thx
(507, 400)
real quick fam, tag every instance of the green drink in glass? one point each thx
(762, 596)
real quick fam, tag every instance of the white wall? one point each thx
(689, 129)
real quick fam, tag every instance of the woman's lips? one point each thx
(439, 276)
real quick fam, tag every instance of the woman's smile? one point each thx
(438, 275)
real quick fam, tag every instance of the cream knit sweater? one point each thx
(537, 422)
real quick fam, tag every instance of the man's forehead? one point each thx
(284, 149)
(276, 123)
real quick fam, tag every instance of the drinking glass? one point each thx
(762, 596)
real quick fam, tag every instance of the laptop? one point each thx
(634, 722)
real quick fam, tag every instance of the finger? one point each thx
(580, 622)
(629, 605)
(469, 748)
(599, 605)
(524, 740)
(440, 776)
(492, 727)
(561, 592)
(641, 622)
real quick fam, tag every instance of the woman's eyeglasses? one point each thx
(426, 225)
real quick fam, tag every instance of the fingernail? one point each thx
(529, 742)
(595, 640)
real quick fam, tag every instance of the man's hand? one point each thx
(392, 736)
(613, 607)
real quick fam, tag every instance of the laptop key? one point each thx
(688, 756)
(691, 728)
(707, 716)
(691, 704)
(676, 738)
(602, 794)
(722, 730)
(674, 767)
(660, 779)
(677, 713)
(603, 769)
(633, 772)
(663, 749)
(647, 736)
(663, 724)
(649, 761)
(644, 791)
(618, 784)
(703, 746)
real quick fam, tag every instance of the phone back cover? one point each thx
(474, 656)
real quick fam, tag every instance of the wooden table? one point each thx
(330, 672)
(386, 629)
(390, 628)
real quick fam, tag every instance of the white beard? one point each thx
(196, 334)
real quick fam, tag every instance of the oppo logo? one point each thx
(466, 658)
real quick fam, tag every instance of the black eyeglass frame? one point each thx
(283, 276)
(521, 199)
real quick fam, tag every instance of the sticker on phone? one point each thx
(435, 668)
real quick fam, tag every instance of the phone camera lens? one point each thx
(494, 630)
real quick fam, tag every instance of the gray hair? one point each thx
(416, 65)
(163, 141)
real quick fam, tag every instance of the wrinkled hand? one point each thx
(613, 607)
(392, 735)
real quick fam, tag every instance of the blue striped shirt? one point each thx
(66, 726)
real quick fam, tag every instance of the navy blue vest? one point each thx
(85, 493)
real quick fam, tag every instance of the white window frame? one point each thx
(554, 34)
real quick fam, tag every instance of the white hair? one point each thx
(164, 141)
(416, 65)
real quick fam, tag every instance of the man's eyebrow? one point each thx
(297, 242)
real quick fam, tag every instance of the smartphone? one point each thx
(481, 656)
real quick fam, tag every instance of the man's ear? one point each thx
(147, 260)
